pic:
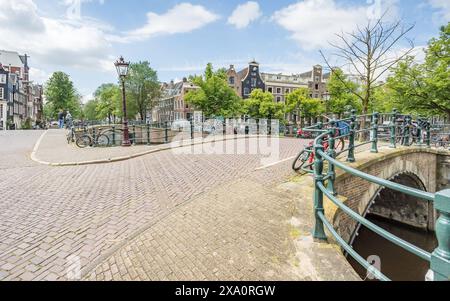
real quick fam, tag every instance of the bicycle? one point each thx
(307, 155)
(443, 142)
(87, 140)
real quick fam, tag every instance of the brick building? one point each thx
(172, 105)
(20, 99)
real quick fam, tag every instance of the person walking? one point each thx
(61, 119)
(69, 120)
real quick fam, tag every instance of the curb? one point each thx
(173, 145)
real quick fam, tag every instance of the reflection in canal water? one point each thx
(396, 263)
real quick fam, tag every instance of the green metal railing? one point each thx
(324, 182)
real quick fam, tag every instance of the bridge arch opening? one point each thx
(407, 217)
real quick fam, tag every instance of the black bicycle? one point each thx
(87, 140)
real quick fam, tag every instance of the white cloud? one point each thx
(444, 9)
(64, 43)
(38, 76)
(182, 18)
(244, 14)
(314, 23)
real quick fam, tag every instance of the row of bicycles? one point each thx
(103, 138)
(305, 158)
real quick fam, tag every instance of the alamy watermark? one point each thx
(231, 137)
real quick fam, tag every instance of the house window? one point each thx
(2, 93)
(246, 91)
(287, 91)
(278, 98)
(317, 86)
(2, 78)
(270, 90)
(231, 80)
(317, 78)
(278, 90)
(253, 82)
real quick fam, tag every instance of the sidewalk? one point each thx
(53, 149)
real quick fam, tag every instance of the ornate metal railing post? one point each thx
(428, 129)
(374, 135)
(440, 259)
(419, 132)
(332, 154)
(149, 139)
(166, 132)
(393, 126)
(319, 232)
(134, 134)
(407, 131)
(352, 137)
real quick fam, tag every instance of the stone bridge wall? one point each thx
(425, 169)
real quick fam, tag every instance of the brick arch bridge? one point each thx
(425, 169)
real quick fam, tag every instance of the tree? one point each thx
(61, 95)
(107, 96)
(312, 107)
(90, 109)
(214, 97)
(142, 88)
(368, 52)
(342, 94)
(425, 88)
(261, 105)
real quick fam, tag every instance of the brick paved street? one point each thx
(49, 213)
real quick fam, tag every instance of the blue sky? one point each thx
(180, 37)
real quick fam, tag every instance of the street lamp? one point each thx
(122, 71)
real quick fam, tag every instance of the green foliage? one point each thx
(215, 97)
(312, 107)
(90, 109)
(300, 101)
(261, 105)
(142, 89)
(108, 98)
(425, 88)
(342, 94)
(61, 95)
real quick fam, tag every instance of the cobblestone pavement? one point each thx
(48, 214)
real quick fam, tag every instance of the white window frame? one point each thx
(2, 93)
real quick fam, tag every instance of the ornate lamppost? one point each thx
(122, 71)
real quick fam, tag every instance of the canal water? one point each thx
(396, 263)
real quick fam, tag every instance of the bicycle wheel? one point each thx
(300, 161)
(102, 141)
(84, 141)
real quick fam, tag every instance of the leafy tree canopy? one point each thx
(214, 97)
(61, 95)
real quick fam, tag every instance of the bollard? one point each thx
(374, 135)
(148, 134)
(166, 133)
(393, 126)
(134, 135)
(440, 259)
(94, 138)
(332, 154)
(351, 147)
(114, 136)
(192, 129)
(318, 232)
